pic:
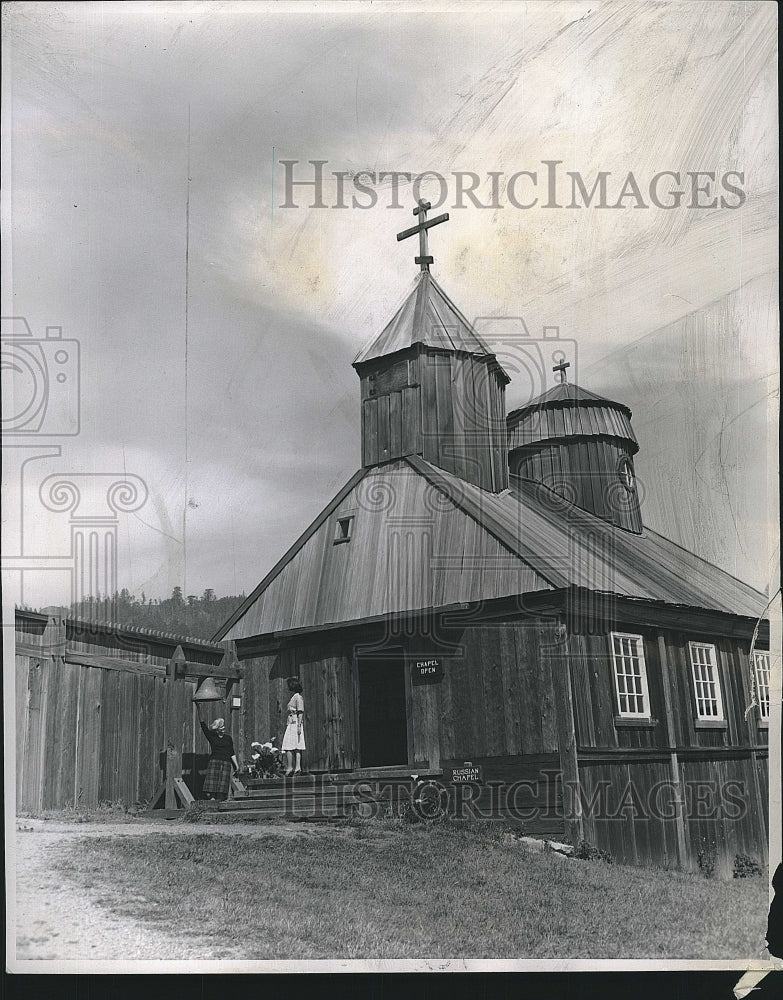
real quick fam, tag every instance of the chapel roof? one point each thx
(485, 546)
(427, 316)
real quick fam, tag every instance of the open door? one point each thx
(383, 713)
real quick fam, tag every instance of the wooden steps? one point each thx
(370, 793)
(318, 796)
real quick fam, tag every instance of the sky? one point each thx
(143, 213)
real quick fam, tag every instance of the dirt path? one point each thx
(57, 921)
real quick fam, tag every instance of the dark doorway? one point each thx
(383, 716)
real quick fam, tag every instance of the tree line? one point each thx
(197, 616)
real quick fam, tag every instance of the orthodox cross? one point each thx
(561, 369)
(423, 260)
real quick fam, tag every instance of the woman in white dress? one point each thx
(293, 739)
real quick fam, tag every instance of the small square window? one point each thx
(630, 676)
(343, 529)
(706, 683)
(761, 676)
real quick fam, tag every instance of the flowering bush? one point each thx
(267, 760)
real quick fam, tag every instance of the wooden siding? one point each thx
(391, 426)
(584, 472)
(452, 411)
(628, 808)
(641, 767)
(411, 548)
(463, 417)
(523, 789)
(494, 699)
(594, 694)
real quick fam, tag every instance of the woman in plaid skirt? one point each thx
(222, 762)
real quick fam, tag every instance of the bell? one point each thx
(208, 691)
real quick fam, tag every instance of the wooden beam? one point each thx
(53, 639)
(559, 659)
(184, 793)
(674, 765)
(26, 649)
(650, 755)
(173, 775)
(114, 663)
(193, 671)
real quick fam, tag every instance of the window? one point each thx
(706, 683)
(625, 468)
(630, 676)
(761, 674)
(343, 529)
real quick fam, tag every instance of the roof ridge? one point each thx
(142, 630)
(624, 544)
(682, 548)
(440, 479)
(460, 315)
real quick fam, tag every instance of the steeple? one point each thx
(431, 386)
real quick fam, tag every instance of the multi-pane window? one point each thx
(706, 683)
(761, 669)
(630, 676)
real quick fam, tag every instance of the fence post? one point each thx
(173, 723)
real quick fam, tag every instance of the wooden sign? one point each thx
(464, 773)
(425, 670)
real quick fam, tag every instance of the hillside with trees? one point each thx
(199, 617)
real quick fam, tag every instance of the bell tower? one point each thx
(431, 386)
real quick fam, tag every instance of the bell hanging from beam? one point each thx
(208, 691)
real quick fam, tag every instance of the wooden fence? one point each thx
(98, 706)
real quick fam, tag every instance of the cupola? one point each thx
(581, 446)
(431, 386)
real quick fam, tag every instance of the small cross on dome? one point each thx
(561, 369)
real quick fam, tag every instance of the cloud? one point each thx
(263, 403)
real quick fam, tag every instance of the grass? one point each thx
(104, 812)
(390, 890)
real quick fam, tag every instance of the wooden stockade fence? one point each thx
(104, 713)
